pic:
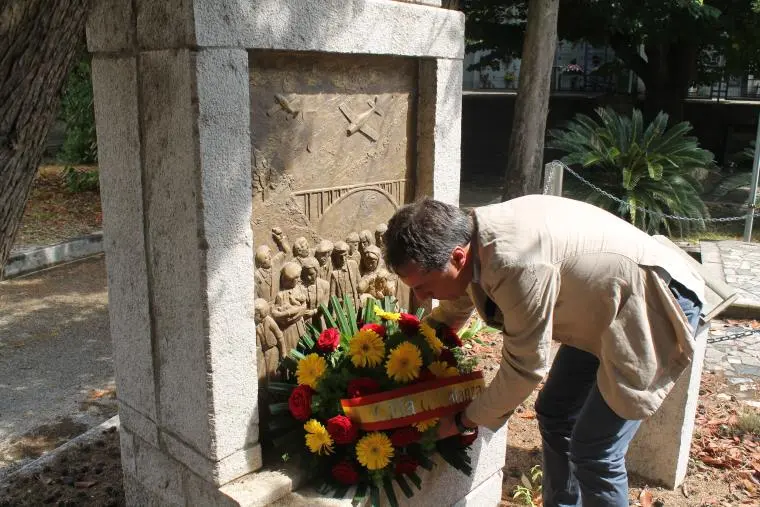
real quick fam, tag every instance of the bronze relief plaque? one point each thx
(332, 142)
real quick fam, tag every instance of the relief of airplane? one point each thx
(358, 123)
(292, 107)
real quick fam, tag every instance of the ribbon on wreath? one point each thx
(415, 403)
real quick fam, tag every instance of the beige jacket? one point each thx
(563, 269)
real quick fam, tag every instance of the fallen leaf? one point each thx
(84, 484)
(646, 498)
(685, 490)
(528, 414)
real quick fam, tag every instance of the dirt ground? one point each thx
(54, 214)
(724, 469)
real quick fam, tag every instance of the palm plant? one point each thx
(649, 169)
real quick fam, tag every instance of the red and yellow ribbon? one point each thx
(415, 403)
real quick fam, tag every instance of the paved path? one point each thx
(55, 355)
(738, 358)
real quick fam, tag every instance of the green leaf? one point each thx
(420, 312)
(329, 320)
(407, 490)
(278, 408)
(388, 487)
(361, 493)
(280, 387)
(374, 495)
(415, 480)
(296, 355)
(351, 315)
(340, 315)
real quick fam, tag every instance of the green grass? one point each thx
(749, 423)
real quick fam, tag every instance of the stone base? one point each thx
(152, 477)
(441, 486)
(660, 450)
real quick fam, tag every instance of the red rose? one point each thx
(405, 436)
(342, 430)
(376, 328)
(466, 440)
(448, 356)
(405, 464)
(328, 340)
(451, 338)
(299, 402)
(362, 386)
(345, 473)
(409, 323)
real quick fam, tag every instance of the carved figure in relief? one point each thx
(301, 249)
(316, 289)
(357, 122)
(365, 240)
(345, 276)
(270, 340)
(323, 254)
(379, 231)
(290, 305)
(375, 282)
(267, 266)
(370, 260)
(352, 240)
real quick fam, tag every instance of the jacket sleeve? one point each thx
(453, 313)
(526, 297)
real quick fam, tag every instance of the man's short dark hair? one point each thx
(425, 233)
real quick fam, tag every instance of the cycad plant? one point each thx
(648, 168)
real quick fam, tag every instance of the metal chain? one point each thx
(648, 211)
(734, 336)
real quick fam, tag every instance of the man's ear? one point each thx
(459, 257)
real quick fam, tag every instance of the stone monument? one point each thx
(225, 126)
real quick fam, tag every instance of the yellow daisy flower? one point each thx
(425, 425)
(441, 369)
(318, 440)
(374, 450)
(366, 348)
(430, 337)
(310, 370)
(404, 363)
(386, 315)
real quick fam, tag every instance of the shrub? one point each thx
(649, 169)
(77, 111)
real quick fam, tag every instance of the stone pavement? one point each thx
(738, 358)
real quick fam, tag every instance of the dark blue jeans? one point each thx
(584, 441)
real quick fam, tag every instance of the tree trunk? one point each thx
(669, 70)
(526, 144)
(38, 39)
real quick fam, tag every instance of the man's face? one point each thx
(309, 276)
(370, 263)
(322, 257)
(339, 258)
(301, 248)
(449, 283)
(353, 245)
(264, 260)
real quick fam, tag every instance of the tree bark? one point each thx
(669, 71)
(38, 40)
(526, 144)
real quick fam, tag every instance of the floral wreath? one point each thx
(360, 400)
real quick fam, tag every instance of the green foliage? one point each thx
(530, 488)
(80, 180)
(652, 168)
(676, 35)
(77, 111)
